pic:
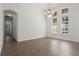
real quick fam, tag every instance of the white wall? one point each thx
(73, 23)
(31, 23)
(1, 28)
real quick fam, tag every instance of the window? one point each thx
(65, 10)
(65, 24)
(54, 25)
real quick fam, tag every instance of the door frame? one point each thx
(5, 24)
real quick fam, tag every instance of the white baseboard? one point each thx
(30, 38)
(0, 51)
(66, 39)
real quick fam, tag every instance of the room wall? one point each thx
(73, 23)
(31, 23)
(1, 28)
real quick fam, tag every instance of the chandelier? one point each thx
(49, 12)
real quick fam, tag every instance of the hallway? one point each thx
(40, 47)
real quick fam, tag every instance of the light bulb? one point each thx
(9, 14)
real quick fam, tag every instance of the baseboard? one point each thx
(0, 51)
(30, 38)
(64, 39)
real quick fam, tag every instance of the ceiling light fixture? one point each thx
(49, 13)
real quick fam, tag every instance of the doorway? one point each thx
(8, 26)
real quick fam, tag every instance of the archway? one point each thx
(10, 24)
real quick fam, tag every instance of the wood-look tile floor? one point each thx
(40, 47)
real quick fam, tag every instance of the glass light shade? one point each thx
(9, 14)
(48, 13)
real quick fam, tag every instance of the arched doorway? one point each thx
(10, 24)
